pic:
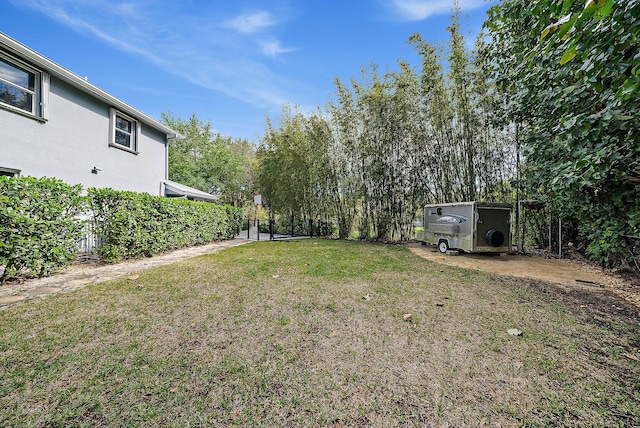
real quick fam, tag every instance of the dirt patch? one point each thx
(574, 274)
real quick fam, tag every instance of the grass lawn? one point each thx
(315, 333)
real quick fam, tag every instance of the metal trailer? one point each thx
(474, 227)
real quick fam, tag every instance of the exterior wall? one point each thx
(74, 139)
(458, 234)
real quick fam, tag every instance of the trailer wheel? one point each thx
(443, 246)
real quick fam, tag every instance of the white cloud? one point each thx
(418, 10)
(197, 47)
(251, 22)
(273, 48)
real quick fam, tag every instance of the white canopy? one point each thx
(173, 189)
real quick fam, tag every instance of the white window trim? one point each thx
(44, 95)
(112, 132)
(41, 91)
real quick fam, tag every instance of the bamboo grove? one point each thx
(387, 144)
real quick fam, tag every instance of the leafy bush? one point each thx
(571, 73)
(39, 225)
(264, 226)
(140, 225)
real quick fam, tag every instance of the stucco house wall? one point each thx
(75, 139)
(69, 134)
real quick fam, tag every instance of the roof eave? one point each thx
(78, 82)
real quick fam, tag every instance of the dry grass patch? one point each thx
(313, 333)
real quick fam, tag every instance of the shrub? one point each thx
(39, 225)
(264, 226)
(140, 225)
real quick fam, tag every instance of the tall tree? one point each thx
(390, 143)
(285, 167)
(208, 161)
(573, 70)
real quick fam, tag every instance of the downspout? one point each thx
(166, 162)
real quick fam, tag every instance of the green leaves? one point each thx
(564, 24)
(41, 222)
(208, 161)
(391, 142)
(574, 86)
(601, 8)
(134, 225)
(581, 163)
(568, 55)
(39, 225)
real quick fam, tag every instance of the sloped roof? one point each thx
(56, 70)
(176, 189)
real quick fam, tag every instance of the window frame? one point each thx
(40, 91)
(134, 134)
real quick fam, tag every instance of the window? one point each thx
(20, 87)
(124, 131)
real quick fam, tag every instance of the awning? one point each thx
(173, 189)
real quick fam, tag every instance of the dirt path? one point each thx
(568, 273)
(79, 275)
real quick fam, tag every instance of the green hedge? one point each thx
(133, 224)
(39, 225)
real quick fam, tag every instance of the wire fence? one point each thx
(286, 228)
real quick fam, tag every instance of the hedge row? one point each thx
(41, 223)
(133, 224)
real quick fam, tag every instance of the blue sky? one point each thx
(229, 62)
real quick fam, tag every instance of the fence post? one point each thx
(523, 226)
(550, 220)
(559, 237)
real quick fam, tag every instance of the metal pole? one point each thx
(518, 208)
(559, 237)
(522, 226)
(518, 225)
(248, 228)
(292, 230)
(550, 219)
(258, 222)
(517, 231)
